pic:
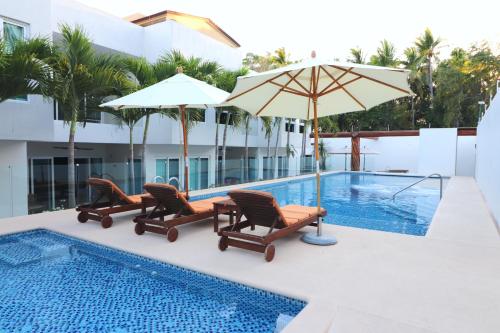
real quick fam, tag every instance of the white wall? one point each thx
(488, 157)
(437, 151)
(466, 156)
(13, 179)
(391, 153)
(104, 29)
(434, 150)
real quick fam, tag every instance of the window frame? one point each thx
(26, 35)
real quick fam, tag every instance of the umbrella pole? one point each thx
(185, 143)
(316, 154)
(318, 238)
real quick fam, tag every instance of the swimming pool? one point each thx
(364, 200)
(54, 283)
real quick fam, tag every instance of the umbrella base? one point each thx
(323, 240)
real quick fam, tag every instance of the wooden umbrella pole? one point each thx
(316, 154)
(316, 145)
(185, 143)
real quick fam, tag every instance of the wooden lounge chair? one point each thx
(260, 208)
(110, 199)
(172, 202)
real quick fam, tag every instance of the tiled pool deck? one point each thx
(371, 281)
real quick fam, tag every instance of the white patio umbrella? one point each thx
(179, 91)
(313, 89)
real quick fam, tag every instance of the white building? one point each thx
(33, 153)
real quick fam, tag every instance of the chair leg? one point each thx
(106, 221)
(269, 252)
(223, 243)
(172, 234)
(140, 228)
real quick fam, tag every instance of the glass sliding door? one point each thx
(138, 181)
(194, 174)
(268, 168)
(82, 173)
(252, 169)
(41, 191)
(166, 169)
(173, 168)
(161, 171)
(282, 166)
(203, 173)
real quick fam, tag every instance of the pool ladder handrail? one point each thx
(434, 175)
(154, 180)
(176, 179)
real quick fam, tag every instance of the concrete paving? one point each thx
(371, 281)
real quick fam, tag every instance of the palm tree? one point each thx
(413, 61)
(277, 123)
(226, 80)
(267, 126)
(129, 118)
(323, 154)
(143, 74)
(357, 56)
(281, 57)
(81, 79)
(24, 68)
(427, 46)
(246, 117)
(385, 56)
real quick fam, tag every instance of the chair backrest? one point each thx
(169, 197)
(258, 207)
(108, 189)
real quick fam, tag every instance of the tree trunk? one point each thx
(131, 158)
(431, 88)
(143, 148)
(269, 135)
(247, 127)
(288, 138)
(224, 137)
(278, 134)
(71, 160)
(217, 121)
(304, 139)
(413, 112)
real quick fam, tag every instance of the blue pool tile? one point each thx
(361, 200)
(55, 283)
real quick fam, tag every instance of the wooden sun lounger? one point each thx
(260, 208)
(172, 202)
(110, 199)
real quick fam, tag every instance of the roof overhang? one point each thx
(201, 24)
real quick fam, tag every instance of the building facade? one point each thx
(33, 138)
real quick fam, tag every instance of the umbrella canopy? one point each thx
(339, 88)
(179, 91)
(316, 88)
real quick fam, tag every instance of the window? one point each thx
(223, 117)
(292, 127)
(10, 33)
(167, 169)
(92, 115)
(197, 115)
(301, 128)
(198, 173)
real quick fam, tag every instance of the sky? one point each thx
(333, 27)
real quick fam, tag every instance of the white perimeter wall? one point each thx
(433, 151)
(437, 151)
(13, 178)
(488, 157)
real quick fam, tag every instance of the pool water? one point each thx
(54, 283)
(365, 200)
